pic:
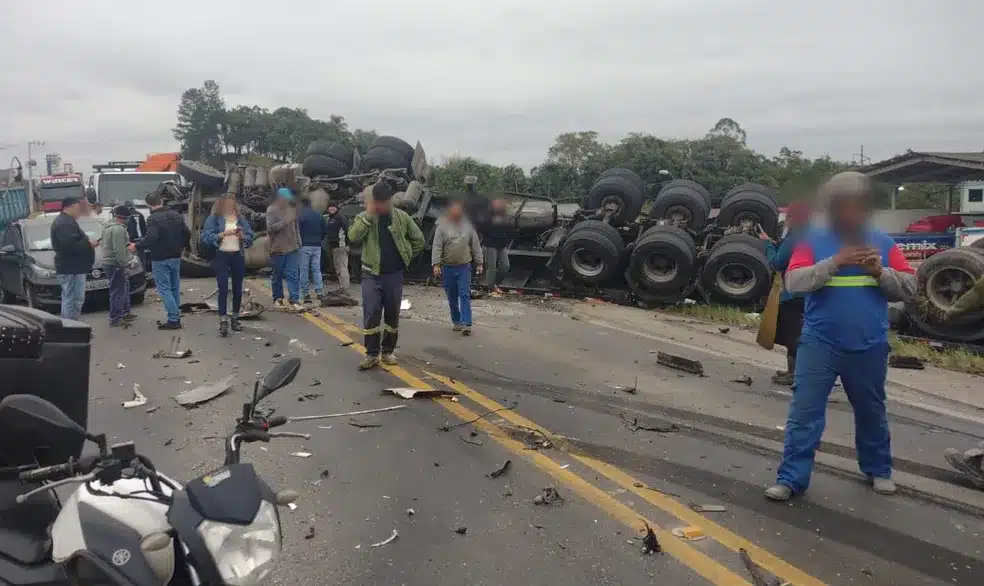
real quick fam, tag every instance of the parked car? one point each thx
(27, 266)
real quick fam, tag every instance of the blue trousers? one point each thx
(119, 292)
(229, 265)
(285, 267)
(72, 295)
(167, 279)
(863, 374)
(310, 270)
(457, 286)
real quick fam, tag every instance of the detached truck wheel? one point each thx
(737, 272)
(662, 265)
(591, 255)
(943, 279)
(684, 203)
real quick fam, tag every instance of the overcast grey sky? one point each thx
(498, 79)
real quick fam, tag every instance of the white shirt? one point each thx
(230, 243)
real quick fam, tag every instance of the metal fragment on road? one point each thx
(174, 350)
(346, 414)
(501, 471)
(708, 508)
(120, 366)
(388, 540)
(205, 393)
(411, 393)
(743, 379)
(548, 496)
(650, 544)
(301, 454)
(138, 399)
(680, 363)
(658, 427)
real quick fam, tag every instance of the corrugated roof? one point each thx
(928, 167)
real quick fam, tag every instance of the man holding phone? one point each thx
(74, 256)
(848, 273)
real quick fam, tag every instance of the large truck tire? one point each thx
(747, 239)
(663, 261)
(590, 255)
(944, 278)
(628, 174)
(195, 268)
(621, 192)
(395, 144)
(747, 208)
(201, 174)
(602, 228)
(315, 165)
(737, 272)
(757, 187)
(381, 157)
(332, 150)
(684, 203)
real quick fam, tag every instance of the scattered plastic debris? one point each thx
(471, 441)
(548, 496)
(120, 366)
(708, 508)
(565, 466)
(292, 506)
(689, 533)
(743, 379)
(405, 305)
(650, 544)
(461, 530)
(501, 471)
(680, 363)
(315, 383)
(309, 397)
(174, 350)
(154, 408)
(205, 392)
(310, 533)
(657, 427)
(301, 454)
(138, 399)
(347, 343)
(388, 540)
(411, 512)
(411, 393)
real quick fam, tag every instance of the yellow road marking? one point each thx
(699, 562)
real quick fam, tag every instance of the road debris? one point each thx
(724, 330)
(548, 496)
(361, 425)
(347, 343)
(565, 466)
(708, 508)
(630, 390)
(411, 393)
(461, 530)
(174, 350)
(388, 540)
(315, 383)
(154, 408)
(650, 544)
(680, 363)
(501, 471)
(449, 427)
(310, 533)
(906, 362)
(309, 397)
(169, 441)
(405, 305)
(346, 414)
(689, 533)
(470, 441)
(757, 578)
(205, 392)
(411, 512)
(337, 298)
(138, 399)
(533, 439)
(120, 366)
(743, 379)
(301, 454)
(660, 427)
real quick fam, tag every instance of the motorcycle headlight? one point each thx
(134, 265)
(43, 272)
(244, 554)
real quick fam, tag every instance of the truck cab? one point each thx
(52, 189)
(117, 182)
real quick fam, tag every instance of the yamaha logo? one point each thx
(96, 273)
(121, 557)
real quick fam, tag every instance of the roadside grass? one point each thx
(956, 360)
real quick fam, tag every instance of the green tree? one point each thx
(200, 116)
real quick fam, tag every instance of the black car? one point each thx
(27, 266)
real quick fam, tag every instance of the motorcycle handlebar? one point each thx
(71, 468)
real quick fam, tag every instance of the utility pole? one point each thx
(861, 158)
(30, 173)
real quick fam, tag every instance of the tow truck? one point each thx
(52, 189)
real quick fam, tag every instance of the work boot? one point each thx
(389, 360)
(297, 307)
(456, 328)
(466, 331)
(280, 303)
(784, 379)
(224, 326)
(169, 325)
(779, 493)
(234, 324)
(369, 362)
(883, 486)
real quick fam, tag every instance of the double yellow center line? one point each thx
(701, 563)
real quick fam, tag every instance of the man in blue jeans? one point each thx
(166, 238)
(455, 248)
(285, 241)
(311, 226)
(74, 256)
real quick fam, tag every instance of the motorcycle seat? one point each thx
(25, 529)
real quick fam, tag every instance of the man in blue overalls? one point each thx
(849, 272)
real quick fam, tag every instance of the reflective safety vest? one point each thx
(849, 312)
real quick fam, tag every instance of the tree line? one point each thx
(208, 130)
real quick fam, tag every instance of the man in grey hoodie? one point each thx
(456, 247)
(116, 256)
(285, 241)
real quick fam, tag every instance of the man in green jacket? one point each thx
(116, 257)
(390, 239)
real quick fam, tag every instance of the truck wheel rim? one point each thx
(660, 269)
(947, 285)
(735, 279)
(587, 263)
(679, 216)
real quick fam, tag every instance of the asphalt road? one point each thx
(716, 443)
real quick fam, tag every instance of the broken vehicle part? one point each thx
(411, 393)
(347, 414)
(361, 425)
(708, 508)
(461, 530)
(388, 540)
(650, 544)
(660, 427)
(906, 362)
(138, 398)
(174, 350)
(501, 471)
(680, 363)
(205, 392)
(548, 496)
(743, 379)
(470, 441)
(449, 427)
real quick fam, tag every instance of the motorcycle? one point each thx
(130, 525)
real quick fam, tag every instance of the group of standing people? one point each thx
(838, 278)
